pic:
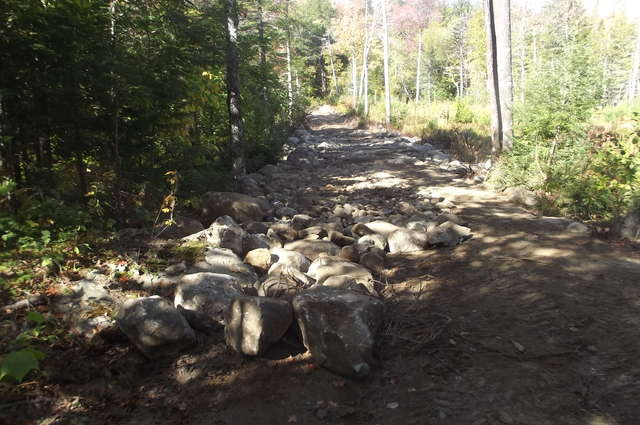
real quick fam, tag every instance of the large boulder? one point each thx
(382, 227)
(253, 324)
(325, 267)
(154, 326)
(223, 233)
(260, 259)
(403, 240)
(284, 281)
(224, 261)
(448, 234)
(290, 258)
(312, 249)
(208, 294)
(339, 328)
(243, 208)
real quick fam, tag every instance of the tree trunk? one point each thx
(263, 55)
(115, 121)
(505, 76)
(233, 91)
(387, 83)
(492, 80)
(354, 79)
(418, 67)
(334, 79)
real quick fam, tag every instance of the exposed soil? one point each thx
(523, 324)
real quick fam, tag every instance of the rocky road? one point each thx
(480, 311)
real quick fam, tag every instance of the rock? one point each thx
(422, 226)
(375, 240)
(249, 186)
(345, 282)
(382, 227)
(256, 241)
(301, 221)
(223, 233)
(88, 291)
(319, 231)
(404, 240)
(521, 196)
(579, 228)
(154, 326)
(342, 212)
(373, 259)
(630, 228)
(209, 294)
(242, 208)
(325, 267)
(339, 328)
(291, 258)
(269, 171)
(444, 217)
(284, 281)
(361, 229)
(445, 205)
(351, 253)
(181, 227)
(340, 239)
(284, 231)
(260, 259)
(285, 212)
(253, 324)
(448, 234)
(224, 261)
(175, 269)
(406, 208)
(91, 326)
(313, 249)
(257, 227)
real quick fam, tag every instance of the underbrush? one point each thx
(459, 126)
(593, 176)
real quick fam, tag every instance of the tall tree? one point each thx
(233, 91)
(500, 80)
(387, 82)
(635, 67)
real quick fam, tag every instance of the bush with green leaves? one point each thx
(25, 351)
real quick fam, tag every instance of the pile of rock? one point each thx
(273, 261)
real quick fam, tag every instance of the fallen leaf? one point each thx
(393, 405)
(292, 419)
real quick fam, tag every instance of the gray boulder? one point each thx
(209, 294)
(154, 326)
(243, 208)
(223, 233)
(339, 328)
(284, 281)
(253, 324)
(367, 241)
(448, 234)
(313, 249)
(301, 221)
(255, 241)
(403, 240)
(290, 258)
(224, 261)
(260, 259)
(325, 267)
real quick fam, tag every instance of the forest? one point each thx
(125, 123)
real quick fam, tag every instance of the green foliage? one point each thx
(23, 355)
(463, 113)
